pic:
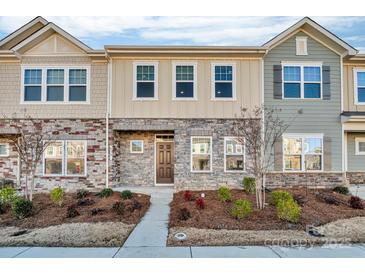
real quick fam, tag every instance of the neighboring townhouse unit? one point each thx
(353, 117)
(164, 115)
(49, 75)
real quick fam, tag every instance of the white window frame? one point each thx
(155, 95)
(210, 154)
(7, 150)
(131, 149)
(44, 85)
(235, 154)
(357, 141)
(299, 39)
(356, 97)
(65, 73)
(174, 81)
(64, 160)
(302, 82)
(302, 136)
(213, 81)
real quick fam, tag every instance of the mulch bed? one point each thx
(46, 213)
(216, 214)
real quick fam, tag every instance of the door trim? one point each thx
(155, 162)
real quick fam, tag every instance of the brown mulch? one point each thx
(46, 213)
(216, 214)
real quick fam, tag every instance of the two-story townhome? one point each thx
(49, 75)
(164, 115)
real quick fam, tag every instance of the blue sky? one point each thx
(179, 30)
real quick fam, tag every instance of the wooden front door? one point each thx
(165, 163)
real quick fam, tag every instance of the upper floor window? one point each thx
(55, 85)
(360, 146)
(302, 81)
(184, 81)
(223, 81)
(145, 81)
(303, 152)
(359, 78)
(301, 46)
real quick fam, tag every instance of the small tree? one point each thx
(30, 141)
(259, 137)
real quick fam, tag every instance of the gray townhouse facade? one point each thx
(164, 115)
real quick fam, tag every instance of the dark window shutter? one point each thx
(326, 82)
(278, 82)
(327, 152)
(278, 155)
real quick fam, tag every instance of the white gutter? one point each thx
(107, 127)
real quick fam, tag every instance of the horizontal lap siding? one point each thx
(354, 162)
(248, 91)
(348, 88)
(321, 116)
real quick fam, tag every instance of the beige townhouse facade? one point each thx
(165, 115)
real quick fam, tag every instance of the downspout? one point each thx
(107, 125)
(343, 139)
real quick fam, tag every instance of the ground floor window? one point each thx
(201, 154)
(4, 150)
(303, 152)
(136, 146)
(360, 146)
(233, 155)
(65, 158)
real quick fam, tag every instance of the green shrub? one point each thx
(105, 193)
(241, 209)
(224, 194)
(7, 195)
(288, 210)
(7, 183)
(57, 195)
(249, 185)
(126, 194)
(280, 195)
(81, 193)
(342, 190)
(22, 208)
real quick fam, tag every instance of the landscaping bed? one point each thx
(90, 220)
(215, 225)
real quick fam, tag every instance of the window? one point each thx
(145, 81)
(303, 153)
(55, 85)
(233, 155)
(184, 81)
(360, 146)
(32, 85)
(301, 46)
(136, 146)
(223, 81)
(302, 81)
(77, 85)
(65, 158)
(201, 154)
(4, 150)
(359, 78)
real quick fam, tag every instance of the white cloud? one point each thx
(178, 30)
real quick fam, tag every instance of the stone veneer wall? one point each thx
(139, 168)
(290, 179)
(355, 177)
(91, 130)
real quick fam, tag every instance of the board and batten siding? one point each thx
(348, 88)
(248, 91)
(355, 163)
(306, 115)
